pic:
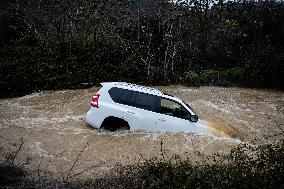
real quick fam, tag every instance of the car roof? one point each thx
(133, 87)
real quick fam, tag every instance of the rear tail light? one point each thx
(95, 100)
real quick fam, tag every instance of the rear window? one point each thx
(133, 98)
(121, 96)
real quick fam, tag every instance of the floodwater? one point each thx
(52, 127)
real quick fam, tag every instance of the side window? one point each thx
(172, 108)
(121, 96)
(146, 101)
(134, 98)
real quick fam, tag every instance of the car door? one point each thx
(144, 106)
(120, 108)
(173, 116)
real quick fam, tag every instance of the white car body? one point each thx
(137, 118)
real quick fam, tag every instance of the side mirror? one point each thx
(194, 118)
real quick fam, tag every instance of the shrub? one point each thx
(11, 174)
(234, 74)
(244, 167)
(208, 76)
(191, 78)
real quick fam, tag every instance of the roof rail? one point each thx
(149, 89)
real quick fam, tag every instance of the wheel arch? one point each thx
(112, 122)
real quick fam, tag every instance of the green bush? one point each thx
(244, 167)
(208, 76)
(235, 72)
(191, 78)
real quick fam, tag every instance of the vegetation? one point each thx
(246, 166)
(78, 43)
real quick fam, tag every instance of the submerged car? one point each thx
(120, 105)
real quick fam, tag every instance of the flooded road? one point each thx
(54, 132)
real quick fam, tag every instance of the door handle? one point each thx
(162, 119)
(130, 112)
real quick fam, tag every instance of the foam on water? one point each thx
(32, 95)
(41, 121)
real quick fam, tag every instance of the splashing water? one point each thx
(205, 127)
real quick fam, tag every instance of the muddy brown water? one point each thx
(54, 132)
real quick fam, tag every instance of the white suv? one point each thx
(119, 105)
